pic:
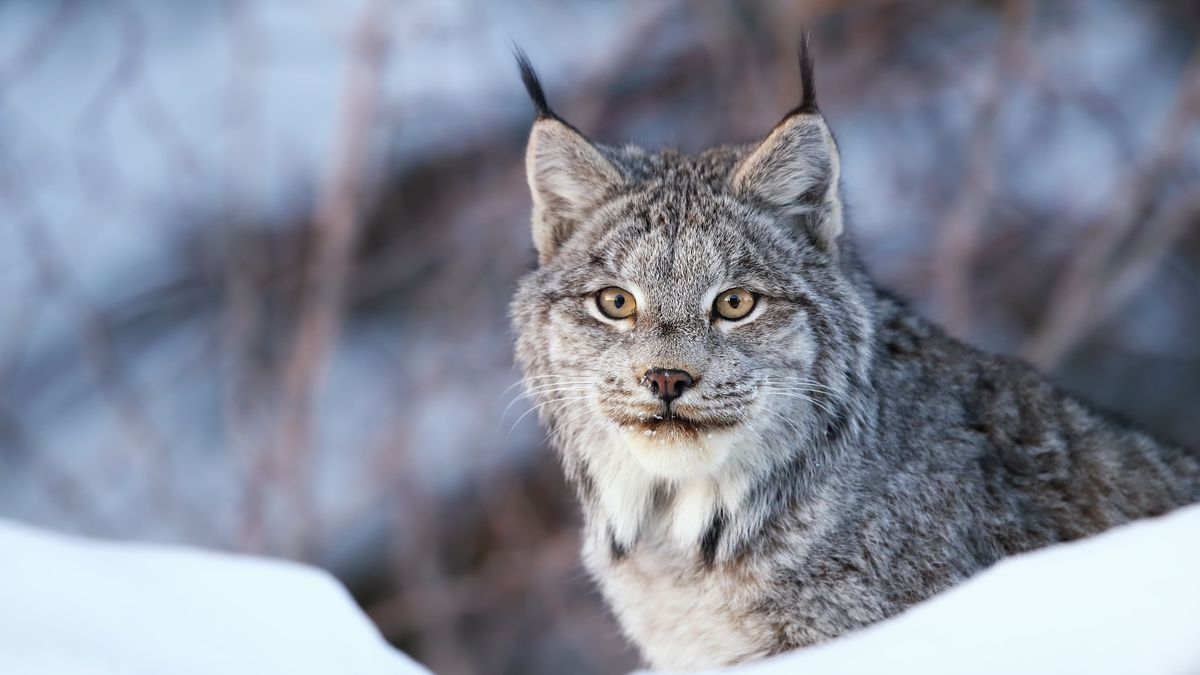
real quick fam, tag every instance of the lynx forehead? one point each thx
(769, 450)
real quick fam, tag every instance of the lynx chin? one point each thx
(769, 449)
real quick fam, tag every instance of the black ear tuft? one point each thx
(808, 90)
(532, 85)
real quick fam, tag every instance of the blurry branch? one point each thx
(93, 159)
(336, 226)
(56, 281)
(124, 71)
(1168, 225)
(61, 482)
(240, 324)
(242, 135)
(1078, 301)
(958, 235)
(1089, 100)
(39, 44)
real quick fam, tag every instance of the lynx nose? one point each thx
(667, 383)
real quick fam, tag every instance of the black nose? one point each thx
(667, 383)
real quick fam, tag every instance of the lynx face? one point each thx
(714, 336)
(690, 316)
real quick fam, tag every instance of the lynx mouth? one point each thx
(673, 425)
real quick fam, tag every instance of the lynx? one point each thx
(769, 449)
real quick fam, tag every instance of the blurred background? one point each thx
(255, 257)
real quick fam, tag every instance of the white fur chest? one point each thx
(681, 616)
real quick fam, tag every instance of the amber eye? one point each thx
(616, 303)
(734, 304)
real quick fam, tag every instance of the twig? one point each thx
(1167, 226)
(336, 228)
(33, 51)
(129, 63)
(959, 232)
(1076, 303)
(55, 280)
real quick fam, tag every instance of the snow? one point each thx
(70, 606)
(1127, 601)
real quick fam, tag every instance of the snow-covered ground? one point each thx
(71, 606)
(1125, 602)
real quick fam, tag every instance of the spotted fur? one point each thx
(843, 459)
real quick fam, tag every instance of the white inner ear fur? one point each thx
(567, 177)
(796, 157)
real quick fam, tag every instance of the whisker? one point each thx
(543, 404)
(550, 386)
(809, 388)
(538, 392)
(553, 385)
(562, 424)
(810, 399)
(799, 382)
(563, 378)
(786, 421)
(823, 390)
(836, 398)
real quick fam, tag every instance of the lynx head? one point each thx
(692, 318)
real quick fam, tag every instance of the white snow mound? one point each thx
(1126, 601)
(70, 606)
(1123, 602)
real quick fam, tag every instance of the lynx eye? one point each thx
(734, 304)
(616, 303)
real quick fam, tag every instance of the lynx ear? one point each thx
(796, 168)
(568, 176)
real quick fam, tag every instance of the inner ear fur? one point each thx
(568, 177)
(795, 170)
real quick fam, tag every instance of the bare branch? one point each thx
(336, 231)
(959, 233)
(1076, 303)
(33, 51)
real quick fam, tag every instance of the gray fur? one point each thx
(844, 458)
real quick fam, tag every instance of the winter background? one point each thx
(255, 257)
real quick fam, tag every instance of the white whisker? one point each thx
(538, 392)
(785, 421)
(563, 379)
(543, 404)
(810, 399)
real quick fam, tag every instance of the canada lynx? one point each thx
(770, 450)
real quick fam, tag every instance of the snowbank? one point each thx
(74, 607)
(1124, 602)
(1127, 601)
